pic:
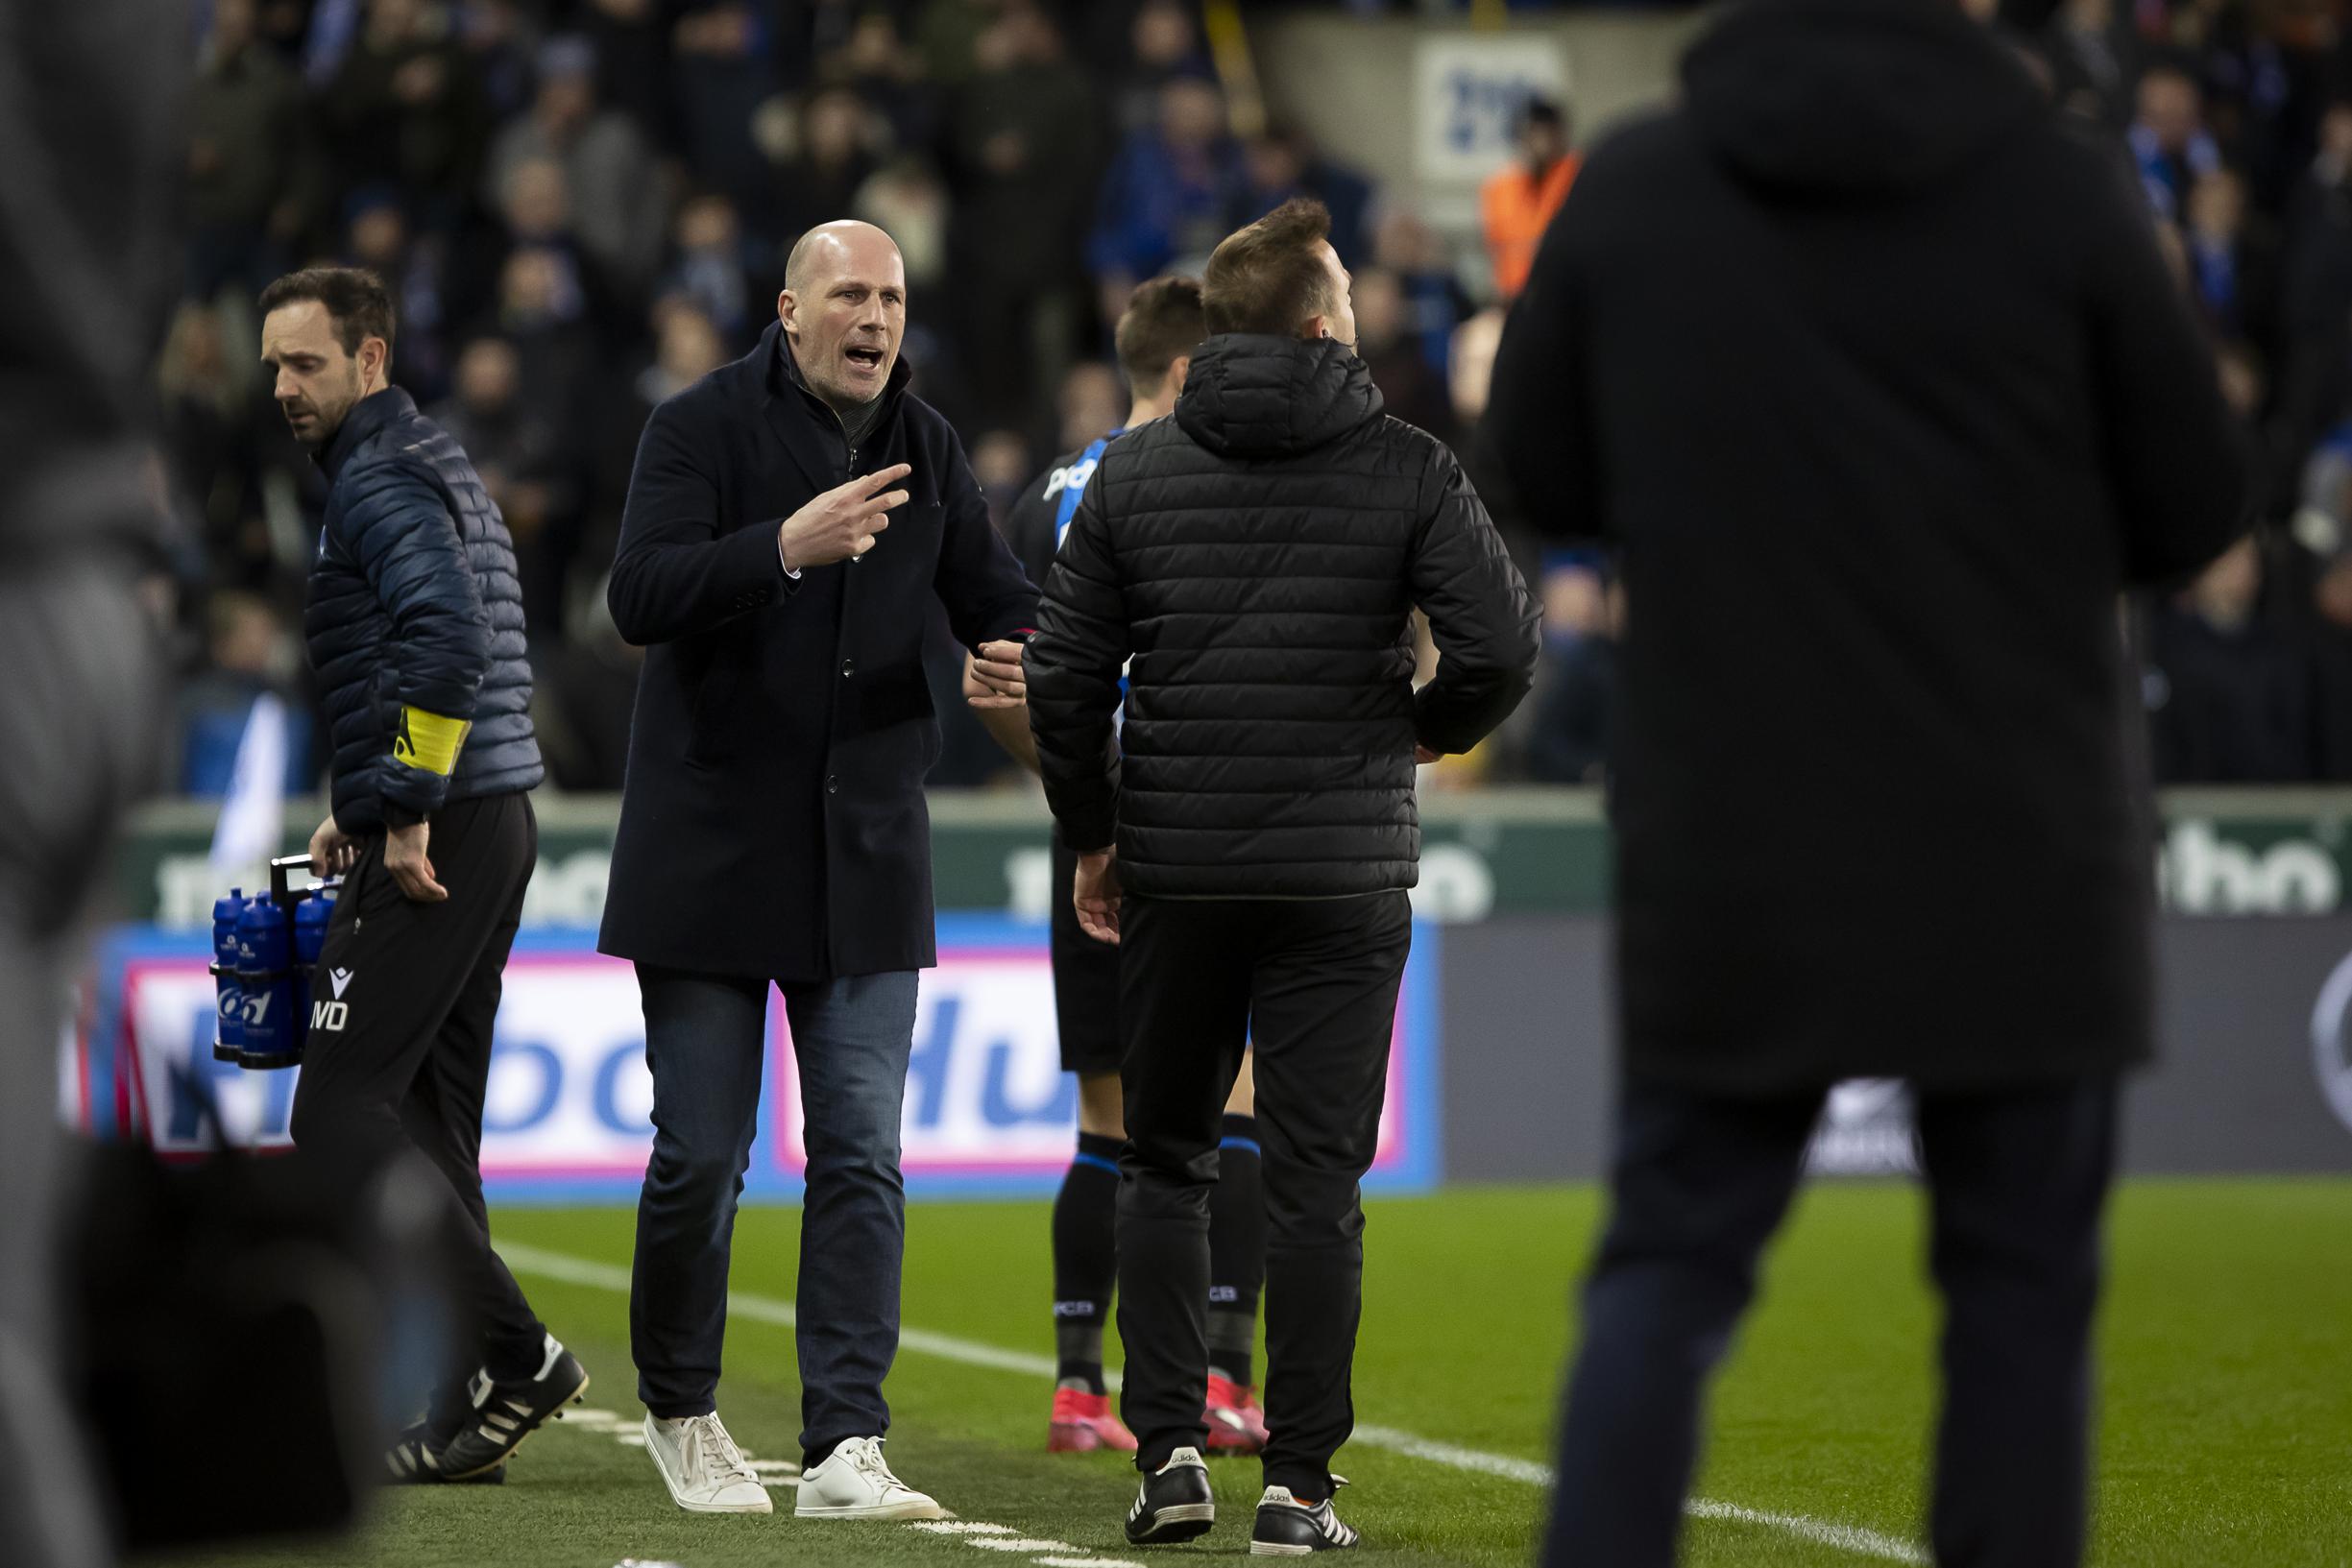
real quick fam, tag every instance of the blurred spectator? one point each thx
(2229, 697)
(613, 186)
(523, 455)
(2231, 270)
(214, 423)
(905, 200)
(1576, 690)
(2330, 638)
(632, 43)
(721, 74)
(583, 690)
(2314, 312)
(248, 651)
(1516, 204)
(503, 42)
(2088, 55)
(1435, 299)
(710, 269)
(1163, 42)
(821, 182)
(947, 37)
(1025, 128)
(1092, 404)
(1001, 462)
(883, 70)
(1284, 162)
(377, 237)
(1412, 389)
(406, 109)
(1168, 195)
(2169, 138)
(542, 314)
(249, 175)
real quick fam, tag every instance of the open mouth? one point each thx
(864, 358)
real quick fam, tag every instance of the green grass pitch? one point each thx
(2227, 1395)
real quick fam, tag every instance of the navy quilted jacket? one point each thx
(415, 616)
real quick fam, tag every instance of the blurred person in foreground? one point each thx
(793, 517)
(1240, 800)
(1155, 340)
(1874, 374)
(414, 621)
(91, 122)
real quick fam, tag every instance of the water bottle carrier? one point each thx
(264, 983)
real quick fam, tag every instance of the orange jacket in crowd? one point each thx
(1514, 206)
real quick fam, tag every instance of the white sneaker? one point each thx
(704, 1470)
(855, 1483)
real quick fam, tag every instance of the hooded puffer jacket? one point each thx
(1258, 555)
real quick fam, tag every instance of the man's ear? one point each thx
(787, 309)
(1316, 327)
(1178, 368)
(373, 361)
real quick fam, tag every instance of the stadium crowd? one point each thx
(583, 205)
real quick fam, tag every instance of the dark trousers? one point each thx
(1313, 982)
(706, 1042)
(2016, 1181)
(408, 1064)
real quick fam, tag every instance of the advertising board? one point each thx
(566, 1115)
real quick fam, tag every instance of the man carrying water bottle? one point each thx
(414, 626)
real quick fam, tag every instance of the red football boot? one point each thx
(1083, 1422)
(1235, 1422)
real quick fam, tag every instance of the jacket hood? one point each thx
(1854, 96)
(1249, 396)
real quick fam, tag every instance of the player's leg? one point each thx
(1085, 1253)
(1085, 1267)
(1698, 1185)
(2019, 1182)
(1237, 1272)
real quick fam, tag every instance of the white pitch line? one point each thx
(1851, 1538)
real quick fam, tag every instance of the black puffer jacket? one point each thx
(415, 613)
(1258, 555)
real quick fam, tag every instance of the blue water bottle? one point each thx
(265, 965)
(311, 918)
(229, 1027)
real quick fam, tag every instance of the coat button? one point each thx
(832, 784)
(848, 667)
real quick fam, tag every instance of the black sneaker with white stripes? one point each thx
(504, 1413)
(1173, 1503)
(414, 1459)
(1287, 1527)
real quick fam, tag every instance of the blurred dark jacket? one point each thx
(1875, 376)
(92, 155)
(2226, 704)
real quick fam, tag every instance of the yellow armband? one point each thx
(428, 740)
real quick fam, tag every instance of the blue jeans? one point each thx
(705, 1041)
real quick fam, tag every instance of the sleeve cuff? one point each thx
(397, 816)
